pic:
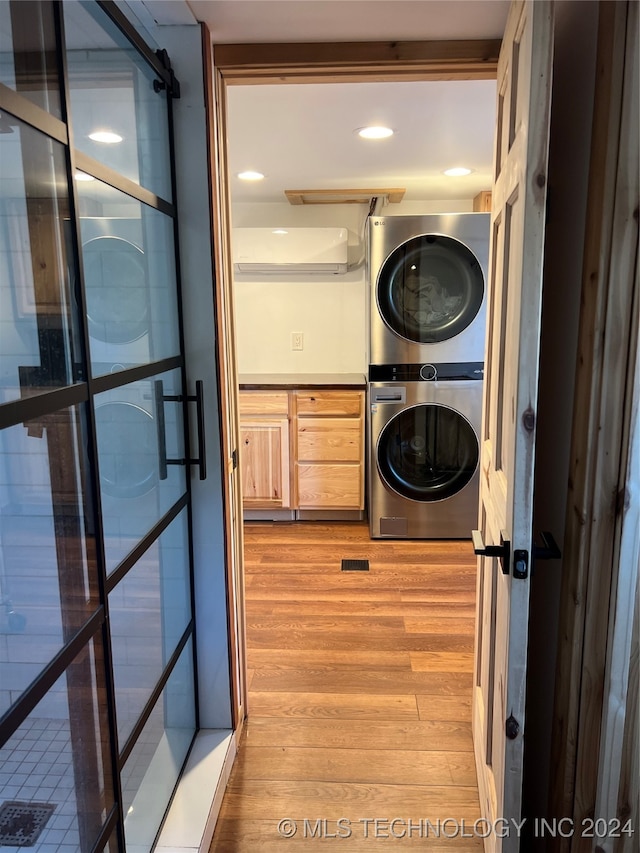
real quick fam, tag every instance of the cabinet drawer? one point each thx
(263, 403)
(329, 440)
(331, 486)
(346, 403)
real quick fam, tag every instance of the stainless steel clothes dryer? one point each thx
(428, 287)
(424, 451)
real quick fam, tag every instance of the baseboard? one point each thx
(191, 820)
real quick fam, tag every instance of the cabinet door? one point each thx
(264, 461)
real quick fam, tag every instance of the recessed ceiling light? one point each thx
(374, 132)
(82, 176)
(457, 172)
(279, 231)
(250, 176)
(106, 136)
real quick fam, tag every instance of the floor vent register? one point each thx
(355, 565)
(22, 823)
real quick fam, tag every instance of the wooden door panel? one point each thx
(264, 462)
(510, 399)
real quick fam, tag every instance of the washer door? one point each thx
(427, 452)
(430, 289)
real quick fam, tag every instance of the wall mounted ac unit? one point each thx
(272, 251)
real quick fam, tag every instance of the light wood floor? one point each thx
(359, 694)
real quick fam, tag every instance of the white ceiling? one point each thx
(301, 136)
(245, 21)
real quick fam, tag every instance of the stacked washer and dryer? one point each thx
(427, 336)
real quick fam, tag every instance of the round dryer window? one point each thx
(427, 452)
(430, 288)
(116, 288)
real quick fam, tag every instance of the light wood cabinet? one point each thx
(264, 450)
(302, 450)
(482, 202)
(329, 450)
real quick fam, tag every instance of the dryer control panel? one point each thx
(426, 372)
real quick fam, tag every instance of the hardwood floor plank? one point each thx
(364, 766)
(335, 625)
(337, 706)
(261, 836)
(444, 707)
(442, 661)
(394, 581)
(440, 625)
(341, 607)
(351, 734)
(294, 798)
(272, 639)
(380, 682)
(312, 658)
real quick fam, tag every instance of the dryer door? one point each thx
(427, 452)
(430, 289)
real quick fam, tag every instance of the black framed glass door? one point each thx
(97, 659)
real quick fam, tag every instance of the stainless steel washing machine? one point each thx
(424, 450)
(428, 287)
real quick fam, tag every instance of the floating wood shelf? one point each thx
(339, 196)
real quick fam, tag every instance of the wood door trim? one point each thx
(608, 335)
(286, 63)
(220, 248)
(338, 61)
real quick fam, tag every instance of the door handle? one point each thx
(160, 400)
(502, 551)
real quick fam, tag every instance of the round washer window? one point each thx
(430, 289)
(427, 453)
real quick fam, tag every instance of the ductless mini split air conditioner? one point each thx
(272, 251)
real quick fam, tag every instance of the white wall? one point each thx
(330, 311)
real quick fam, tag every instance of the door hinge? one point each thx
(234, 460)
(512, 727)
(548, 550)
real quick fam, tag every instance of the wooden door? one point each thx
(509, 414)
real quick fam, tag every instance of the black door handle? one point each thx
(502, 551)
(160, 400)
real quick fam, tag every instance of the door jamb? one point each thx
(255, 64)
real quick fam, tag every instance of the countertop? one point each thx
(287, 381)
